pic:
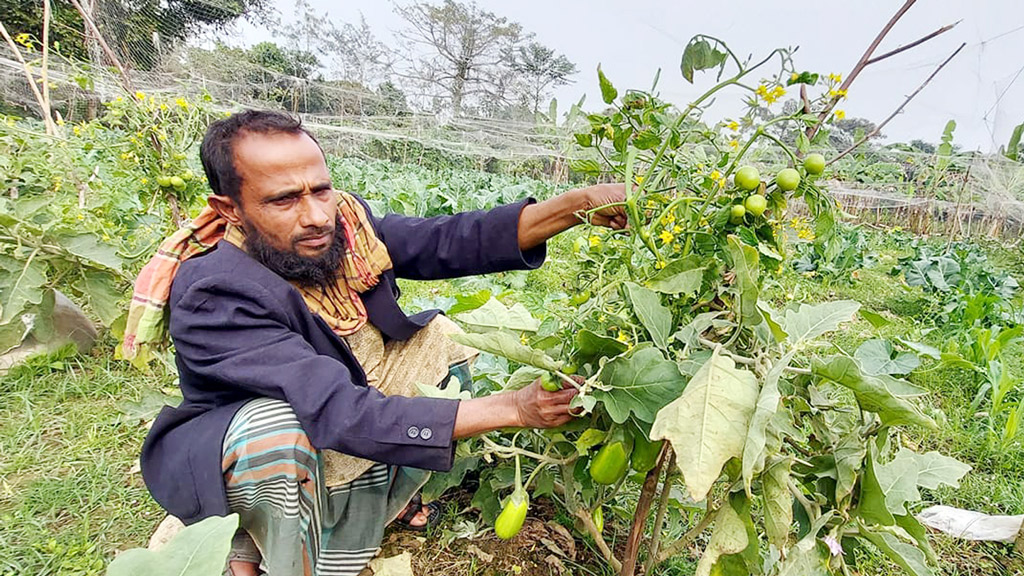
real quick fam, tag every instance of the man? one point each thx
(283, 277)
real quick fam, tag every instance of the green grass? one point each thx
(69, 497)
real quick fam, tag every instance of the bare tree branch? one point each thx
(921, 40)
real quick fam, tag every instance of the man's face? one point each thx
(288, 208)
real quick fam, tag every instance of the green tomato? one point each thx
(747, 178)
(570, 368)
(580, 298)
(814, 163)
(787, 179)
(550, 382)
(736, 213)
(645, 453)
(178, 183)
(512, 516)
(187, 175)
(163, 181)
(610, 463)
(598, 517)
(755, 204)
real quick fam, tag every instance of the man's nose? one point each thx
(314, 214)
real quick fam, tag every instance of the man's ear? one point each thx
(226, 207)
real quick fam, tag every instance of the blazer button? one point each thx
(426, 433)
(413, 431)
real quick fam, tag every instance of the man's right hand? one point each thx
(538, 408)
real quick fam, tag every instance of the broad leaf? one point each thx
(508, 346)
(877, 356)
(728, 537)
(90, 249)
(871, 504)
(906, 556)
(898, 481)
(874, 318)
(778, 502)
(105, 295)
(767, 404)
(688, 334)
(198, 550)
(592, 346)
(871, 392)
(656, 318)
(934, 469)
(745, 264)
(809, 321)
(523, 377)
(805, 558)
(917, 531)
(707, 425)
(683, 277)
(771, 318)
(22, 288)
(640, 383)
(849, 456)
(495, 315)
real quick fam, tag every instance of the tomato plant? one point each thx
(783, 442)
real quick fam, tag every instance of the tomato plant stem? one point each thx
(643, 507)
(659, 516)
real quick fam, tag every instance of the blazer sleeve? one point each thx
(464, 244)
(233, 334)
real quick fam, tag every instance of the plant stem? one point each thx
(643, 507)
(659, 516)
(690, 536)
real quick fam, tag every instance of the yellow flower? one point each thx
(145, 180)
(897, 228)
(770, 96)
(76, 130)
(622, 337)
(522, 338)
(81, 216)
(639, 179)
(716, 175)
(837, 78)
(677, 229)
(602, 318)
(595, 241)
(139, 95)
(677, 247)
(840, 114)
(182, 103)
(734, 144)
(24, 39)
(833, 93)
(733, 125)
(793, 77)
(660, 264)
(163, 106)
(106, 238)
(666, 237)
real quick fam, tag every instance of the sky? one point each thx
(982, 88)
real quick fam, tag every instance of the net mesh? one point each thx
(362, 112)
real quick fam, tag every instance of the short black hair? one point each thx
(217, 150)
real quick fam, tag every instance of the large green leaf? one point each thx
(22, 287)
(877, 357)
(778, 502)
(805, 558)
(592, 346)
(495, 315)
(640, 383)
(906, 556)
(656, 318)
(745, 264)
(508, 345)
(728, 537)
(767, 404)
(105, 295)
(682, 277)
(871, 392)
(809, 321)
(198, 550)
(849, 456)
(900, 478)
(918, 532)
(89, 248)
(871, 504)
(707, 425)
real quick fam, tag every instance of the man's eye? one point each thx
(324, 192)
(286, 201)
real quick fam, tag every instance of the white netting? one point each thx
(373, 113)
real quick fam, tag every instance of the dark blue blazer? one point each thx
(241, 332)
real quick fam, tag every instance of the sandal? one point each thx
(414, 507)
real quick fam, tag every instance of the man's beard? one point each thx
(307, 271)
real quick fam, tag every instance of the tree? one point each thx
(457, 50)
(357, 55)
(539, 69)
